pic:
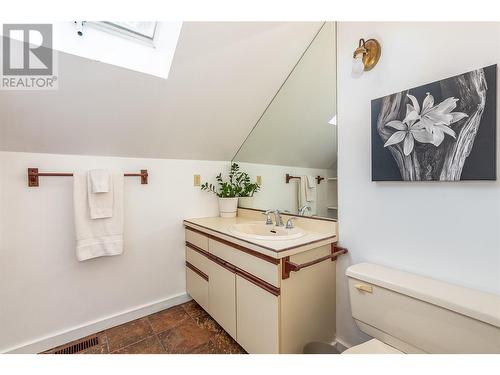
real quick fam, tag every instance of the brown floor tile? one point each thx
(128, 333)
(203, 349)
(185, 338)
(181, 329)
(168, 319)
(193, 309)
(222, 343)
(150, 345)
(205, 321)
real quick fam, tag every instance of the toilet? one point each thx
(407, 313)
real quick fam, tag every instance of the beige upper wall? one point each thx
(223, 76)
(445, 230)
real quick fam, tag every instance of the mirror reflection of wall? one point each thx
(297, 135)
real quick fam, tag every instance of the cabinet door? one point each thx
(222, 297)
(197, 287)
(258, 322)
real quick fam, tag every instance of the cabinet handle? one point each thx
(289, 266)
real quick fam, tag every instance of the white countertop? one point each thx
(317, 233)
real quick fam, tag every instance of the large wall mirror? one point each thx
(297, 137)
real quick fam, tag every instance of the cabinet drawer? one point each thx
(258, 267)
(197, 287)
(197, 239)
(258, 318)
(198, 260)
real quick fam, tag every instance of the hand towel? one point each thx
(97, 237)
(100, 203)
(310, 189)
(99, 180)
(306, 195)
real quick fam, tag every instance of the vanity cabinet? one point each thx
(222, 297)
(197, 287)
(258, 318)
(258, 299)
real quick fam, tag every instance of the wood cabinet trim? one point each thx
(238, 271)
(258, 282)
(198, 249)
(254, 253)
(267, 258)
(197, 271)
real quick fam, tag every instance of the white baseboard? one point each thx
(89, 328)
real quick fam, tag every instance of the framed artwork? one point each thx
(441, 131)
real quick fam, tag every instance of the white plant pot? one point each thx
(228, 207)
(245, 202)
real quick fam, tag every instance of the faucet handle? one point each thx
(289, 223)
(269, 221)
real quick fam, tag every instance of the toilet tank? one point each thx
(417, 314)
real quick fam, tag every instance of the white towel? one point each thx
(306, 194)
(100, 202)
(97, 237)
(99, 180)
(310, 189)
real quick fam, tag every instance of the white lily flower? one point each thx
(426, 125)
(437, 119)
(408, 131)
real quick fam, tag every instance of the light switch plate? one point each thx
(197, 180)
(259, 180)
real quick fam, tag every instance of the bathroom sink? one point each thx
(262, 231)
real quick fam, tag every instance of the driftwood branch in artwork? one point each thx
(444, 162)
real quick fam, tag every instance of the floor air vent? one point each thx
(79, 346)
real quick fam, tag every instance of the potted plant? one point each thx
(227, 191)
(248, 189)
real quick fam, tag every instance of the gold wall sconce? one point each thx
(365, 57)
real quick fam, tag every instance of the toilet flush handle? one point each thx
(364, 288)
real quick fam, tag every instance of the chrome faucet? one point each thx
(278, 221)
(289, 223)
(269, 221)
(303, 209)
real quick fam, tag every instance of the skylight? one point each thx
(116, 43)
(138, 31)
(145, 29)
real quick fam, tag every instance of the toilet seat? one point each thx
(373, 346)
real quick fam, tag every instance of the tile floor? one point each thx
(185, 328)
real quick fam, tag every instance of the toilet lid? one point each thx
(373, 346)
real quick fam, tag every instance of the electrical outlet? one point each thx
(197, 180)
(259, 180)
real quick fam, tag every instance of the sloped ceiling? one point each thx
(223, 76)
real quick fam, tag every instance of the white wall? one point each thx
(448, 231)
(44, 290)
(276, 193)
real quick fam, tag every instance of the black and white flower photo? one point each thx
(442, 131)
